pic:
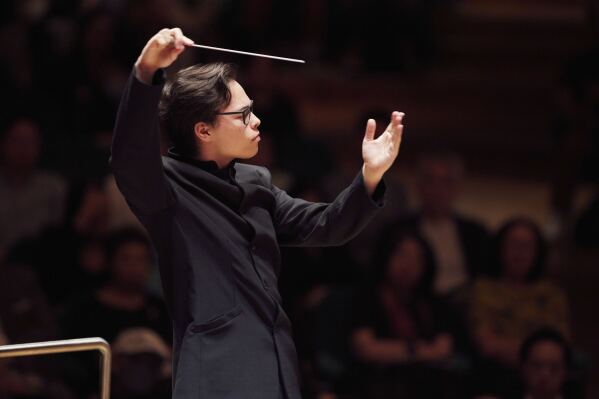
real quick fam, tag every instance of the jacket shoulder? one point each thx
(255, 174)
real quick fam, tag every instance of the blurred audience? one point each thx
(575, 159)
(458, 242)
(515, 302)
(544, 362)
(70, 252)
(586, 227)
(142, 365)
(74, 251)
(30, 199)
(24, 310)
(123, 301)
(405, 337)
(25, 317)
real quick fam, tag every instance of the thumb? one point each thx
(370, 128)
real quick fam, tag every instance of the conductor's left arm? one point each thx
(302, 223)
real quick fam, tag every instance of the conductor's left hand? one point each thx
(380, 153)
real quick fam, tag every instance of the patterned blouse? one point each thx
(516, 311)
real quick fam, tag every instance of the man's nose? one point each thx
(255, 121)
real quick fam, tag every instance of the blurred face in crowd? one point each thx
(131, 266)
(438, 185)
(406, 265)
(21, 147)
(32, 10)
(518, 252)
(92, 257)
(544, 371)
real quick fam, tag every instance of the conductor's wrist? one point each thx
(144, 73)
(371, 178)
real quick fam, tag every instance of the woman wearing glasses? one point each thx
(217, 224)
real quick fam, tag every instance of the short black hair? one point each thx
(195, 94)
(545, 334)
(496, 263)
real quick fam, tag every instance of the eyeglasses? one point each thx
(246, 113)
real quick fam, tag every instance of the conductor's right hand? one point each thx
(160, 52)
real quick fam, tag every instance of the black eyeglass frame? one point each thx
(246, 113)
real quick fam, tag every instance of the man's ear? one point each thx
(203, 131)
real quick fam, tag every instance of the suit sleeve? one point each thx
(135, 156)
(302, 223)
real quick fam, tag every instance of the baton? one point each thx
(248, 53)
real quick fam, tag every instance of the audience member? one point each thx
(61, 255)
(25, 317)
(458, 242)
(24, 309)
(544, 362)
(405, 336)
(30, 199)
(516, 301)
(123, 301)
(142, 365)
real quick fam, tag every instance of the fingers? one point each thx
(180, 40)
(370, 129)
(396, 120)
(173, 38)
(160, 52)
(397, 126)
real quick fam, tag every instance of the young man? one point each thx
(217, 224)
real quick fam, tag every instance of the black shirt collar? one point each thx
(227, 173)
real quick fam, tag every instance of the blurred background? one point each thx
(478, 279)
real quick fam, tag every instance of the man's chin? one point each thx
(249, 154)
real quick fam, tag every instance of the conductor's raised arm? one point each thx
(135, 157)
(301, 223)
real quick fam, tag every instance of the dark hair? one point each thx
(496, 261)
(389, 240)
(120, 238)
(194, 94)
(545, 335)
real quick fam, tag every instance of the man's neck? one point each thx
(221, 161)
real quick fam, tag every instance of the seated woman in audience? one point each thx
(403, 332)
(516, 301)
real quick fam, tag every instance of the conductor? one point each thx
(216, 223)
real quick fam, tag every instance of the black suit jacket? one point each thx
(217, 242)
